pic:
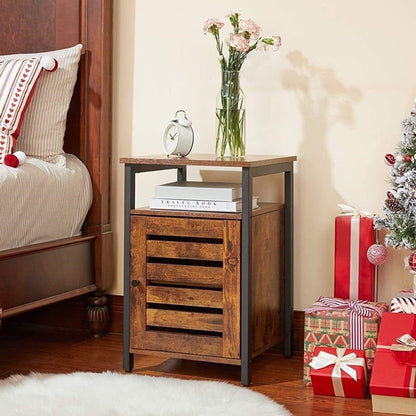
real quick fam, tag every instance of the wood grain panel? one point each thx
(27, 26)
(200, 276)
(186, 297)
(184, 320)
(137, 273)
(184, 250)
(184, 343)
(67, 35)
(41, 266)
(210, 159)
(184, 227)
(267, 280)
(231, 292)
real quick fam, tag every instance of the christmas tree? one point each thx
(400, 206)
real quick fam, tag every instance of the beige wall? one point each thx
(334, 96)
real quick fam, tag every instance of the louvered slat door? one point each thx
(185, 286)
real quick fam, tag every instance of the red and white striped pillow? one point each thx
(43, 129)
(18, 79)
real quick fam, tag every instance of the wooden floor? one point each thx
(25, 349)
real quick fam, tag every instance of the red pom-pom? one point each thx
(11, 160)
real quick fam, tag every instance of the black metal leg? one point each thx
(129, 196)
(246, 330)
(181, 174)
(288, 268)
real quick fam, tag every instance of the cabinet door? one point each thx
(185, 285)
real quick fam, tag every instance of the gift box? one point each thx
(334, 322)
(393, 380)
(354, 275)
(404, 302)
(339, 372)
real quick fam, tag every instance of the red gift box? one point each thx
(339, 372)
(393, 379)
(354, 275)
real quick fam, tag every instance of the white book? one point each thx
(204, 191)
(199, 205)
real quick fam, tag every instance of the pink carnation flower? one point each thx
(210, 23)
(239, 42)
(249, 26)
(277, 42)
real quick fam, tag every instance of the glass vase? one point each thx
(231, 117)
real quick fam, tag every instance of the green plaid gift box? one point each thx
(334, 322)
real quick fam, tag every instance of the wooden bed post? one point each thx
(97, 68)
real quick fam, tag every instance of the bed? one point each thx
(40, 265)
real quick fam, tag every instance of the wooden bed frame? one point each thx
(45, 273)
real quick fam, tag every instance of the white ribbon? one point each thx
(355, 257)
(340, 362)
(356, 213)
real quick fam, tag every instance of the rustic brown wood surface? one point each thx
(171, 299)
(185, 297)
(195, 159)
(185, 275)
(173, 343)
(267, 284)
(184, 320)
(184, 250)
(137, 274)
(29, 348)
(183, 227)
(157, 291)
(231, 291)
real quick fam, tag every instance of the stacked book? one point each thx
(199, 196)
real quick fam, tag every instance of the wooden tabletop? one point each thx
(208, 160)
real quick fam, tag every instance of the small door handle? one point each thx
(232, 261)
(135, 283)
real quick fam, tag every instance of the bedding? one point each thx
(41, 201)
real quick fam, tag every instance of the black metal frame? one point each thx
(248, 173)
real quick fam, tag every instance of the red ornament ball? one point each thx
(407, 158)
(377, 254)
(412, 261)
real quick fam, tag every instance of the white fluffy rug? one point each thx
(115, 394)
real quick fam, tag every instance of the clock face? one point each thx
(170, 139)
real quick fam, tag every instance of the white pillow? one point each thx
(43, 128)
